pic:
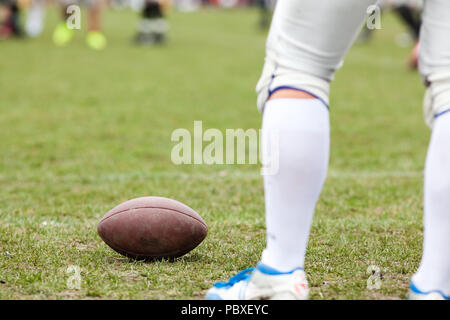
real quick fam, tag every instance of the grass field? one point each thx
(82, 131)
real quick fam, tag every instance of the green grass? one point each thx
(82, 131)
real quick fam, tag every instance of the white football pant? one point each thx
(308, 40)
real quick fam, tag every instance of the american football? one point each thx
(152, 228)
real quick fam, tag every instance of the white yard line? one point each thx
(215, 175)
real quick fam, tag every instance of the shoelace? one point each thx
(243, 275)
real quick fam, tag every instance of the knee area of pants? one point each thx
(284, 78)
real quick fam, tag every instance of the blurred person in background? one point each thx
(187, 5)
(152, 27)
(265, 9)
(95, 39)
(409, 11)
(9, 19)
(34, 23)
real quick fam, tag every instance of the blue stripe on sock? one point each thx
(264, 268)
(441, 113)
(213, 296)
(298, 89)
(414, 289)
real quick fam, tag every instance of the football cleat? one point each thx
(62, 35)
(96, 40)
(262, 283)
(151, 31)
(416, 294)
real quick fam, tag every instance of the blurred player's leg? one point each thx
(264, 13)
(9, 19)
(306, 45)
(410, 13)
(35, 18)
(411, 17)
(432, 280)
(95, 38)
(62, 35)
(152, 27)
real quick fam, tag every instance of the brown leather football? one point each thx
(152, 228)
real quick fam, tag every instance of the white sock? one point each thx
(434, 270)
(35, 18)
(303, 130)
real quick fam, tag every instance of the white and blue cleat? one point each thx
(416, 294)
(262, 283)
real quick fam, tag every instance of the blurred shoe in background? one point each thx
(96, 40)
(152, 27)
(62, 34)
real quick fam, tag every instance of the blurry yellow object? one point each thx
(96, 40)
(62, 35)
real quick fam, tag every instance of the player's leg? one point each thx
(152, 27)
(95, 38)
(264, 13)
(306, 45)
(35, 18)
(432, 279)
(9, 19)
(411, 16)
(62, 34)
